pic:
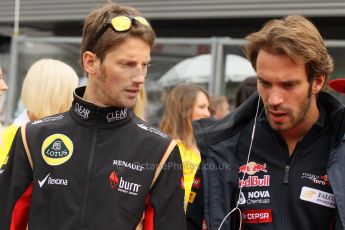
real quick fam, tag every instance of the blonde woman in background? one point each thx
(141, 104)
(47, 89)
(185, 103)
(3, 88)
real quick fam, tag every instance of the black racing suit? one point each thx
(93, 168)
(303, 191)
(281, 191)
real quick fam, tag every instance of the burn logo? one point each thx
(123, 185)
(114, 180)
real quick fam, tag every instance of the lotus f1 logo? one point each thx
(113, 179)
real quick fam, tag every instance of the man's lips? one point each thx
(132, 92)
(277, 116)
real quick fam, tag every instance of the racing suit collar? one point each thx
(89, 113)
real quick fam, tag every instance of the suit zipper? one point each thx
(286, 174)
(286, 188)
(88, 175)
(285, 193)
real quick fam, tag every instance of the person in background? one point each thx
(3, 88)
(220, 107)
(156, 115)
(47, 89)
(282, 151)
(98, 166)
(140, 108)
(245, 90)
(183, 104)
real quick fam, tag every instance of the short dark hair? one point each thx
(95, 21)
(296, 37)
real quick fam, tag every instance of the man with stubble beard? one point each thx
(281, 152)
(97, 166)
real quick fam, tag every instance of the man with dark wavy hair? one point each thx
(283, 147)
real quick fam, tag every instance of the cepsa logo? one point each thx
(257, 216)
(252, 181)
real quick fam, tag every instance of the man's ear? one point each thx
(90, 62)
(318, 84)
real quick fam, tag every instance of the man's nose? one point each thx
(140, 75)
(275, 98)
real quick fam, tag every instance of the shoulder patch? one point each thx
(57, 149)
(152, 130)
(48, 119)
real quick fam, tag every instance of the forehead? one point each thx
(201, 97)
(131, 47)
(279, 67)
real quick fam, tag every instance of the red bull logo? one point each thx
(252, 167)
(255, 181)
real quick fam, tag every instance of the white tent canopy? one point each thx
(198, 70)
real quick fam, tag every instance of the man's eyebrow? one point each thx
(290, 81)
(260, 78)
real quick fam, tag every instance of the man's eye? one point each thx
(146, 65)
(130, 64)
(264, 83)
(289, 86)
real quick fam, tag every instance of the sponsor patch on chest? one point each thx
(257, 216)
(316, 179)
(318, 197)
(122, 185)
(57, 149)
